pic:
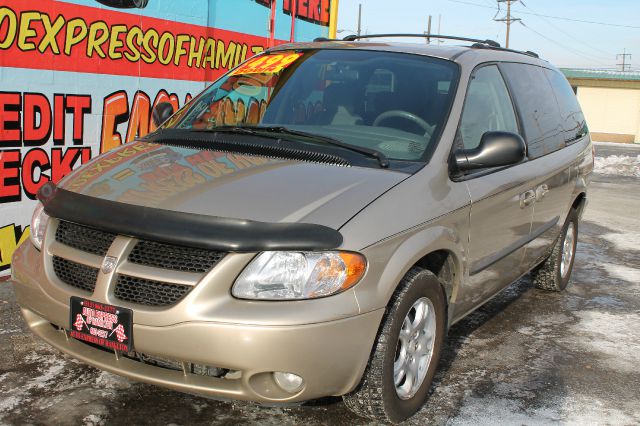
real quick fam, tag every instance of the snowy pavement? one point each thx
(617, 159)
(618, 165)
(527, 357)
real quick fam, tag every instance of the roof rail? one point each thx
(479, 44)
(490, 43)
(504, 49)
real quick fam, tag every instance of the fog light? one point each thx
(289, 382)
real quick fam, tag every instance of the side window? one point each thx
(573, 122)
(538, 107)
(487, 107)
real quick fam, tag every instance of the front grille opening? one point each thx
(149, 292)
(169, 364)
(205, 370)
(84, 238)
(74, 274)
(176, 258)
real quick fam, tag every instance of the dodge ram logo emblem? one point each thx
(108, 264)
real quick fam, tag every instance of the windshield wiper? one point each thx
(382, 159)
(227, 129)
(281, 130)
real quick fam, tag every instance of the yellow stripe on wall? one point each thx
(333, 19)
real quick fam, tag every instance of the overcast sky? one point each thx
(564, 42)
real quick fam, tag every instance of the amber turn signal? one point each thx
(356, 266)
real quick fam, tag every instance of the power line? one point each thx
(589, 56)
(508, 18)
(568, 49)
(493, 6)
(584, 21)
(624, 55)
(608, 54)
(563, 18)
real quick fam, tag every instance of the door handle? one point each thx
(541, 191)
(527, 198)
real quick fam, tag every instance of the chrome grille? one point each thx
(84, 238)
(75, 274)
(176, 258)
(149, 292)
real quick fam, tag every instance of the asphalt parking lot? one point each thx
(527, 357)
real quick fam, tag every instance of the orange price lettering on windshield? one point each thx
(267, 64)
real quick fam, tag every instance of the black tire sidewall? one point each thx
(571, 218)
(424, 285)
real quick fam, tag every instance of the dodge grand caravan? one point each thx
(313, 223)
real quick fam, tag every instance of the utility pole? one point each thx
(428, 32)
(508, 19)
(624, 55)
(359, 19)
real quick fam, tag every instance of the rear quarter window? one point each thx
(540, 114)
(573, 122)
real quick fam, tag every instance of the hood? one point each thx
(231, 185)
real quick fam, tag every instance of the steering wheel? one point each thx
(428, 128)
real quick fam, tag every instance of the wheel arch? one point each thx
(579, 203)
(442, 264)
(439, 250)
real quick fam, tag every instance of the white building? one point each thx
(611, 103)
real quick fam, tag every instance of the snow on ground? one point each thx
(620, 165)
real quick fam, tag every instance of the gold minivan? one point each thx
(313, 223)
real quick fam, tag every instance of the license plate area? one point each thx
(101, 324)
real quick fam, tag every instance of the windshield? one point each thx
(393, 103)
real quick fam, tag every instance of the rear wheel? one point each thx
(554, 273)
(396, 382)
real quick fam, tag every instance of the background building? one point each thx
(611, 103)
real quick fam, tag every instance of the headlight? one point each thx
(277, 275)
(38, 226)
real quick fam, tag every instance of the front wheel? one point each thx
(396, 382)
(554, 273)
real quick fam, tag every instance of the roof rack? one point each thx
(490, 43)
(504, 49)
(479, 44)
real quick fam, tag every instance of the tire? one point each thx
(377, 397)
(552, 274)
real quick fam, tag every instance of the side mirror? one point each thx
(496, 149)
(161, 113)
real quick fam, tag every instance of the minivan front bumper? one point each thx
(330, 355)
